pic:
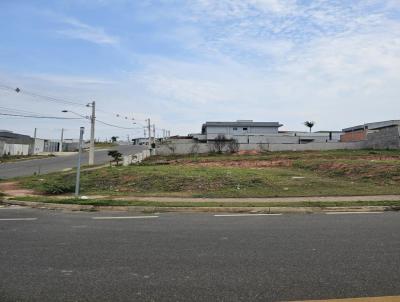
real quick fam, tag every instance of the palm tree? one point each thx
(309, 124)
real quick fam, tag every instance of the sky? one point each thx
(181, 63)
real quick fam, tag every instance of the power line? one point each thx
(59, 101)
(42, 96)
(42, 117)
(116, 126)
(18, 110)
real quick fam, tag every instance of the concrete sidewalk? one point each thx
(250, 200)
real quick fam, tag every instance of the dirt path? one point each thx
(12, 189)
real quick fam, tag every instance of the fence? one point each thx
(136, 158)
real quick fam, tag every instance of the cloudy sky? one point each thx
(181, 63)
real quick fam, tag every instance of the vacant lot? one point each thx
(326, 173)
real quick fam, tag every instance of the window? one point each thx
(234, 128)
(244, 129)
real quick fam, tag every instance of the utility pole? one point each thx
(34, 141)
(78, 170)
(60, 147)
(92, 124)
(149, 132)
(154, 133)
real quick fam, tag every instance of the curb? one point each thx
(140, 209)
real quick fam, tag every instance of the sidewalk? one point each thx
(250, 200)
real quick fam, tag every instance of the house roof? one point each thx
(15, 138)
(375, 125)
(243, 123)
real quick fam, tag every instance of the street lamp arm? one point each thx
(65, 111)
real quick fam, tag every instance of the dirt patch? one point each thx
(365, 170)
(248, 152)
(243, 163)
(13, 189)
(377, 157)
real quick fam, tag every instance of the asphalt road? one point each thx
(54, 164)
(58, 256)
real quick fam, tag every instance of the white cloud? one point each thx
(82, 31)
(333, 62)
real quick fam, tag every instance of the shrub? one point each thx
(233, 146)
(55, 188)
(219, 143)
(117, 156)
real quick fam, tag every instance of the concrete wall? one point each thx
(13, 149)
(136, 158)
(188, 147)
(317, 146)
(183, 146)
(39, 146)
(281, 138)
(386, 138)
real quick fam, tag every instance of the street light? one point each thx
(92, 123)
(73, 112)
(78, 168)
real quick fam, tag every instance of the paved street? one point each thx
(114, 256)
(53, 164)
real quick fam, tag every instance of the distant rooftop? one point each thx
(240, 123)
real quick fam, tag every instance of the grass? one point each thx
(105, 202)
(104, 144)
(273, 174)
(14, 158)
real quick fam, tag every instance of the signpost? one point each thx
(78, 170)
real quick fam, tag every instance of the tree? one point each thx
(219, 143)
(114, 138)
(233, 145)
(117, 156)
(309, 124)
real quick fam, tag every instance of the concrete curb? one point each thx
(140, 209)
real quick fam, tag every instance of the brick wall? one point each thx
(354, 136)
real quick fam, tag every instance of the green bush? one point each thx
(58, 188)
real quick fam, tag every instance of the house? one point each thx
(140, 141)
(249, 132)
(237, 130)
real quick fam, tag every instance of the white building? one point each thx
(210, 130)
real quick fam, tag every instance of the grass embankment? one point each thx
(274, 174)
(110, 202)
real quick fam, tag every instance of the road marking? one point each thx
(244, 215)
(16, 219)
(123, 217)
(344, 213)
(12, 208)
